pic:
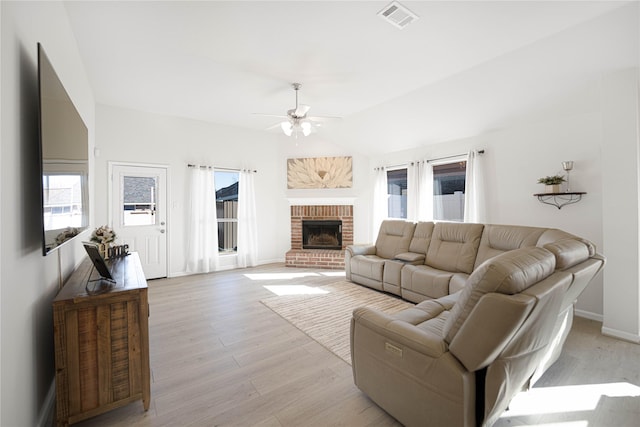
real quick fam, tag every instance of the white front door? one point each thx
(139, 214)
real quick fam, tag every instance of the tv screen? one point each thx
(64, 155)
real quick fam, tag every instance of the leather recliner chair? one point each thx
(459, 360)
(366, 263)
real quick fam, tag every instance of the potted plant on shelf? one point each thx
(551, 183)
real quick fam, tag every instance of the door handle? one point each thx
(162, 231)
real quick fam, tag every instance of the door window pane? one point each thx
(227, 210)
(448, 191)
(397, 193)
(139, 196)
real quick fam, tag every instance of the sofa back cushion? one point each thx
(421, 238)
(509, 273)
(454, 247)
(551, 235)
(497, 239)
(394, 238)
(569, 252)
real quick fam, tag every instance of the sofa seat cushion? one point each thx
(421, 312)
(424, 280)
(436, 325)
(370, 266)
(457, 282)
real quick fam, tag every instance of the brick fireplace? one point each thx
(319, 257)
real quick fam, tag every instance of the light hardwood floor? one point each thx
(220, 357)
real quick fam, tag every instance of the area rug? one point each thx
(327, 317)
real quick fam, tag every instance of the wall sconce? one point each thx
(567, 166)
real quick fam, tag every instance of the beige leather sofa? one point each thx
(496, 307)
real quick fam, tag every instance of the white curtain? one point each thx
(474, 195)
(247, 223)
(380, 202)
(420, 191)
(202, 227)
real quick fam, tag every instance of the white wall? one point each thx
(621, 213)
(29, 281)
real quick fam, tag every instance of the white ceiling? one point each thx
(221, 61)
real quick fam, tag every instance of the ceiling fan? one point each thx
(297, 121)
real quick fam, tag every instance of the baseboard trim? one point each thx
(589, 315)
(271, 261)
(626, 336)
(46, 417)
(614, 333)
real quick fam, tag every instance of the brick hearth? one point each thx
(323, 258)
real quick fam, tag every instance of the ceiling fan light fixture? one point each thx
(297, 121)
(287, 128)
(306, 128)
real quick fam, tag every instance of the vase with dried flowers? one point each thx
(103, 236)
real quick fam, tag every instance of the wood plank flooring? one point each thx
(219, 357)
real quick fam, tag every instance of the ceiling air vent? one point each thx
(397, 15)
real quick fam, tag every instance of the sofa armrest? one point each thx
(411, 258)
(490, 326)
(354, 250)
(399, 331)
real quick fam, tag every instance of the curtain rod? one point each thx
(452, 156)
(429, 160)
(189, 165)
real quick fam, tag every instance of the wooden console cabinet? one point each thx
(101, 338)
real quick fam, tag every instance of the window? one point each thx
(397, 193)
(227, 210)
(448, 191)
(62, 199)
(139, 195)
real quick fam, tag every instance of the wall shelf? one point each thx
(560, 199)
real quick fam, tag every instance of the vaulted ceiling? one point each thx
(462, 67)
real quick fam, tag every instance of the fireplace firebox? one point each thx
(321, 234)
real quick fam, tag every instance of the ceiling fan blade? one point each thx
(324, 118)
(276, 126)
(302, 110)
(270, 115)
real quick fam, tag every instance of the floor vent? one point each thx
(397, 15)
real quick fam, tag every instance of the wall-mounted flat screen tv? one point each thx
(64, 155)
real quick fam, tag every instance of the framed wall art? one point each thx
(319, 172)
